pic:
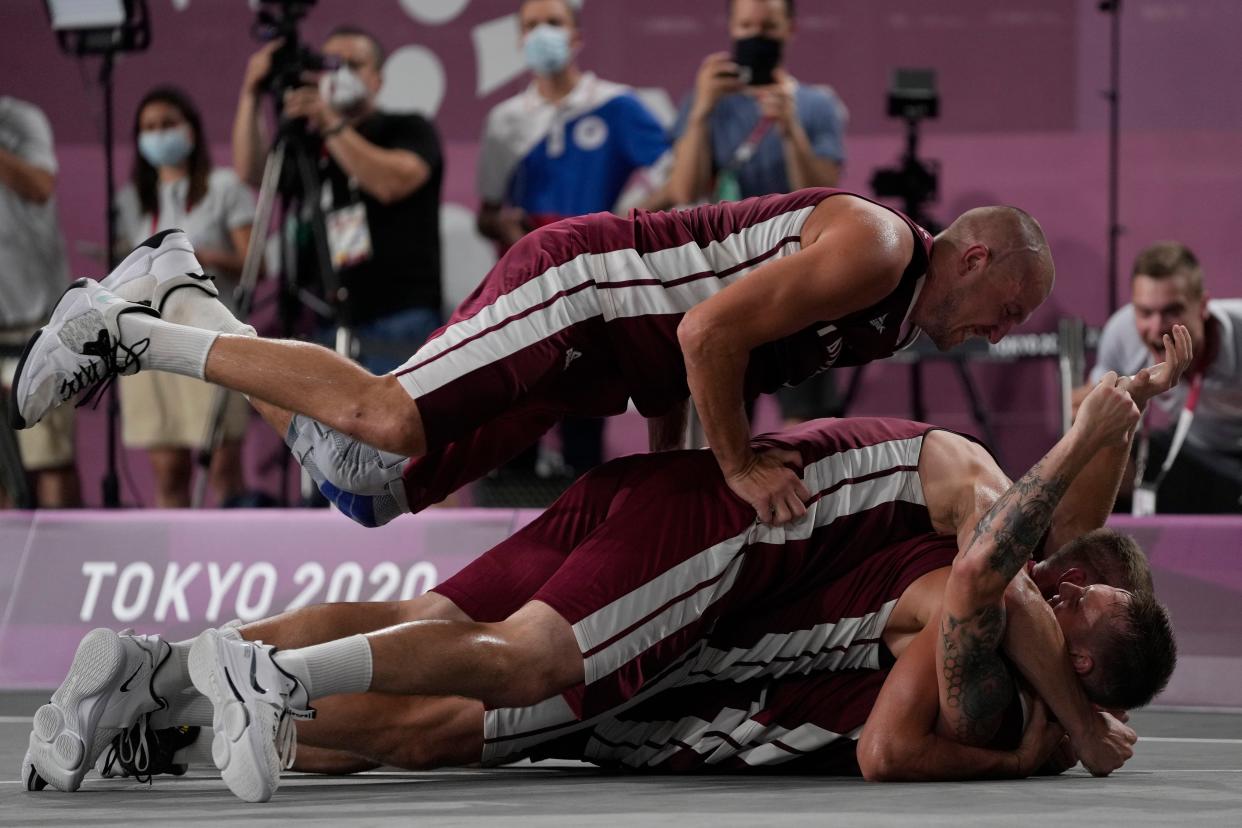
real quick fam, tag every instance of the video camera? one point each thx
(912, 97)
(278, 20)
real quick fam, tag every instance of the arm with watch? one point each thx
(387, 175)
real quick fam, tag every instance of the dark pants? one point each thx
(1199, 482)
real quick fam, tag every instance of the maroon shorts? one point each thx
(667, 581)
(526, 349)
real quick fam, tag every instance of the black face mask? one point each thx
(757, 56)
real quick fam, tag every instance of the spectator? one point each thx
(33, 273)
(1166, 290)
(174, 185)
(566, 145)
(736, 139)
(387, 252)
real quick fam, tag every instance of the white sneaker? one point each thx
(107, 690)
(79, 349)
(256, 704)
(154, 269)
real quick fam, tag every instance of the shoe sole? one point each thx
(244, 755)
(65, 740)
(15, 412)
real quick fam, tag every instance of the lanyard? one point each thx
(1184, 419)
(746, 150)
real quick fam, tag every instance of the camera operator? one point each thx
(384, 173)
(749, 128)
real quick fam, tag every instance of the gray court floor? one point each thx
(1187, 771)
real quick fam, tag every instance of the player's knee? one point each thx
(391, 417)
(539, 657)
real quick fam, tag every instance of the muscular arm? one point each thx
(899, 742)
(852, 263)
(972, 623)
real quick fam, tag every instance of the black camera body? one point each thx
(278, 20)
(912, 96)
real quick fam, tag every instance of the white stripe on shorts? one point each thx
(511, 335)
(706, 577)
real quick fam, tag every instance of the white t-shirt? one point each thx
(1217, 424)
(33, 271)
(228, 204)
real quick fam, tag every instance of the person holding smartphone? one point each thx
(749, 128)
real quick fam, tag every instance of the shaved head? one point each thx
(1014, 239)
(989, 271)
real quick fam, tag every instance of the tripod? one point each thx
(290, 173)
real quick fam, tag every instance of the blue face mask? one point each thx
(165, 147)
(546, 49)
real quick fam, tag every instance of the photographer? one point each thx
(384, 173)
(749, 128)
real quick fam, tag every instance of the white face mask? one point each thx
(546, 49)
(343, 90)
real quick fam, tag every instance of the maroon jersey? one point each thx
(598, 298)
(665, 577)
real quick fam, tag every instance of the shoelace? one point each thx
(95, 377)
(287, 734)
(131, 751)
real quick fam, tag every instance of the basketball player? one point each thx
(719, 303)
(600, 603)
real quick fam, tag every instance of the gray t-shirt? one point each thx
(33, 271)
(1218, 418)
(228, 204)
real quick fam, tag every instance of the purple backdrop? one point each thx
(1022, 122)
(65, 573)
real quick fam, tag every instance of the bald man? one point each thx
(718, 303)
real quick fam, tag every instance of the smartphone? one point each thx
(757, 57)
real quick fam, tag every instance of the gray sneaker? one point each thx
(76, 354)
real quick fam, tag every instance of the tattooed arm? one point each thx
(899, 742)
(972, 680)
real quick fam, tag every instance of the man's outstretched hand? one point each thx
(772, 489)
(1155, 380)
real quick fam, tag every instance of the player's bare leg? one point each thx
(309, 379)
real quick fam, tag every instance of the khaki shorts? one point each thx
(48, 444)
(169, 411)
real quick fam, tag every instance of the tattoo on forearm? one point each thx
(1016, 523)
(977, 686)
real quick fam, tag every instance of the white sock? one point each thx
(341, 666)
(177, 349)
(191, 306)
(186, 706)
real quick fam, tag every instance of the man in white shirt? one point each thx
(1166, 290)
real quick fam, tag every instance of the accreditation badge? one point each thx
(349, 237)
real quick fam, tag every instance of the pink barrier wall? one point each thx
(1022, 122)
(63, 574)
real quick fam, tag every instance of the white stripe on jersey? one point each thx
(847, 644)
(732, 733)
(616, 266)
(709, 575)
